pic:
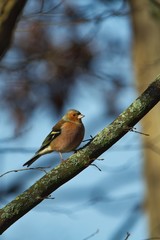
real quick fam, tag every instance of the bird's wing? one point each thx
(52, 135)
(56, 131)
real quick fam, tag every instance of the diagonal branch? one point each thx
(82, 159)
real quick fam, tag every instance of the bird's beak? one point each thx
(80, 116)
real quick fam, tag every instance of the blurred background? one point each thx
(97, 57)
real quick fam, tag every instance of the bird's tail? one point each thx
(33, 159)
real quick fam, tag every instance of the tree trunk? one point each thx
(9, 13)
(145, 17)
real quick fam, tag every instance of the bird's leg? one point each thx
(60, 154)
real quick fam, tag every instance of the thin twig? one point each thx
(133, 129)
(100, 159)
(92, 235)
(47, 197)
(128, 235)
(89, 139)
(42, 169)
(92, 164)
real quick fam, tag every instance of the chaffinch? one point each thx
(65, 136)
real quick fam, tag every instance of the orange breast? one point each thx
(70, 138)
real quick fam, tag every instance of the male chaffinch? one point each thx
(65, 136)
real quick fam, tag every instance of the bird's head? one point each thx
(73, 116)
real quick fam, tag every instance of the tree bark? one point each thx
(10, 11)
(82, 159)
(145, 17)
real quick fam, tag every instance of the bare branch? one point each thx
(81, 159)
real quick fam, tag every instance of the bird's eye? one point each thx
(74, 114)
